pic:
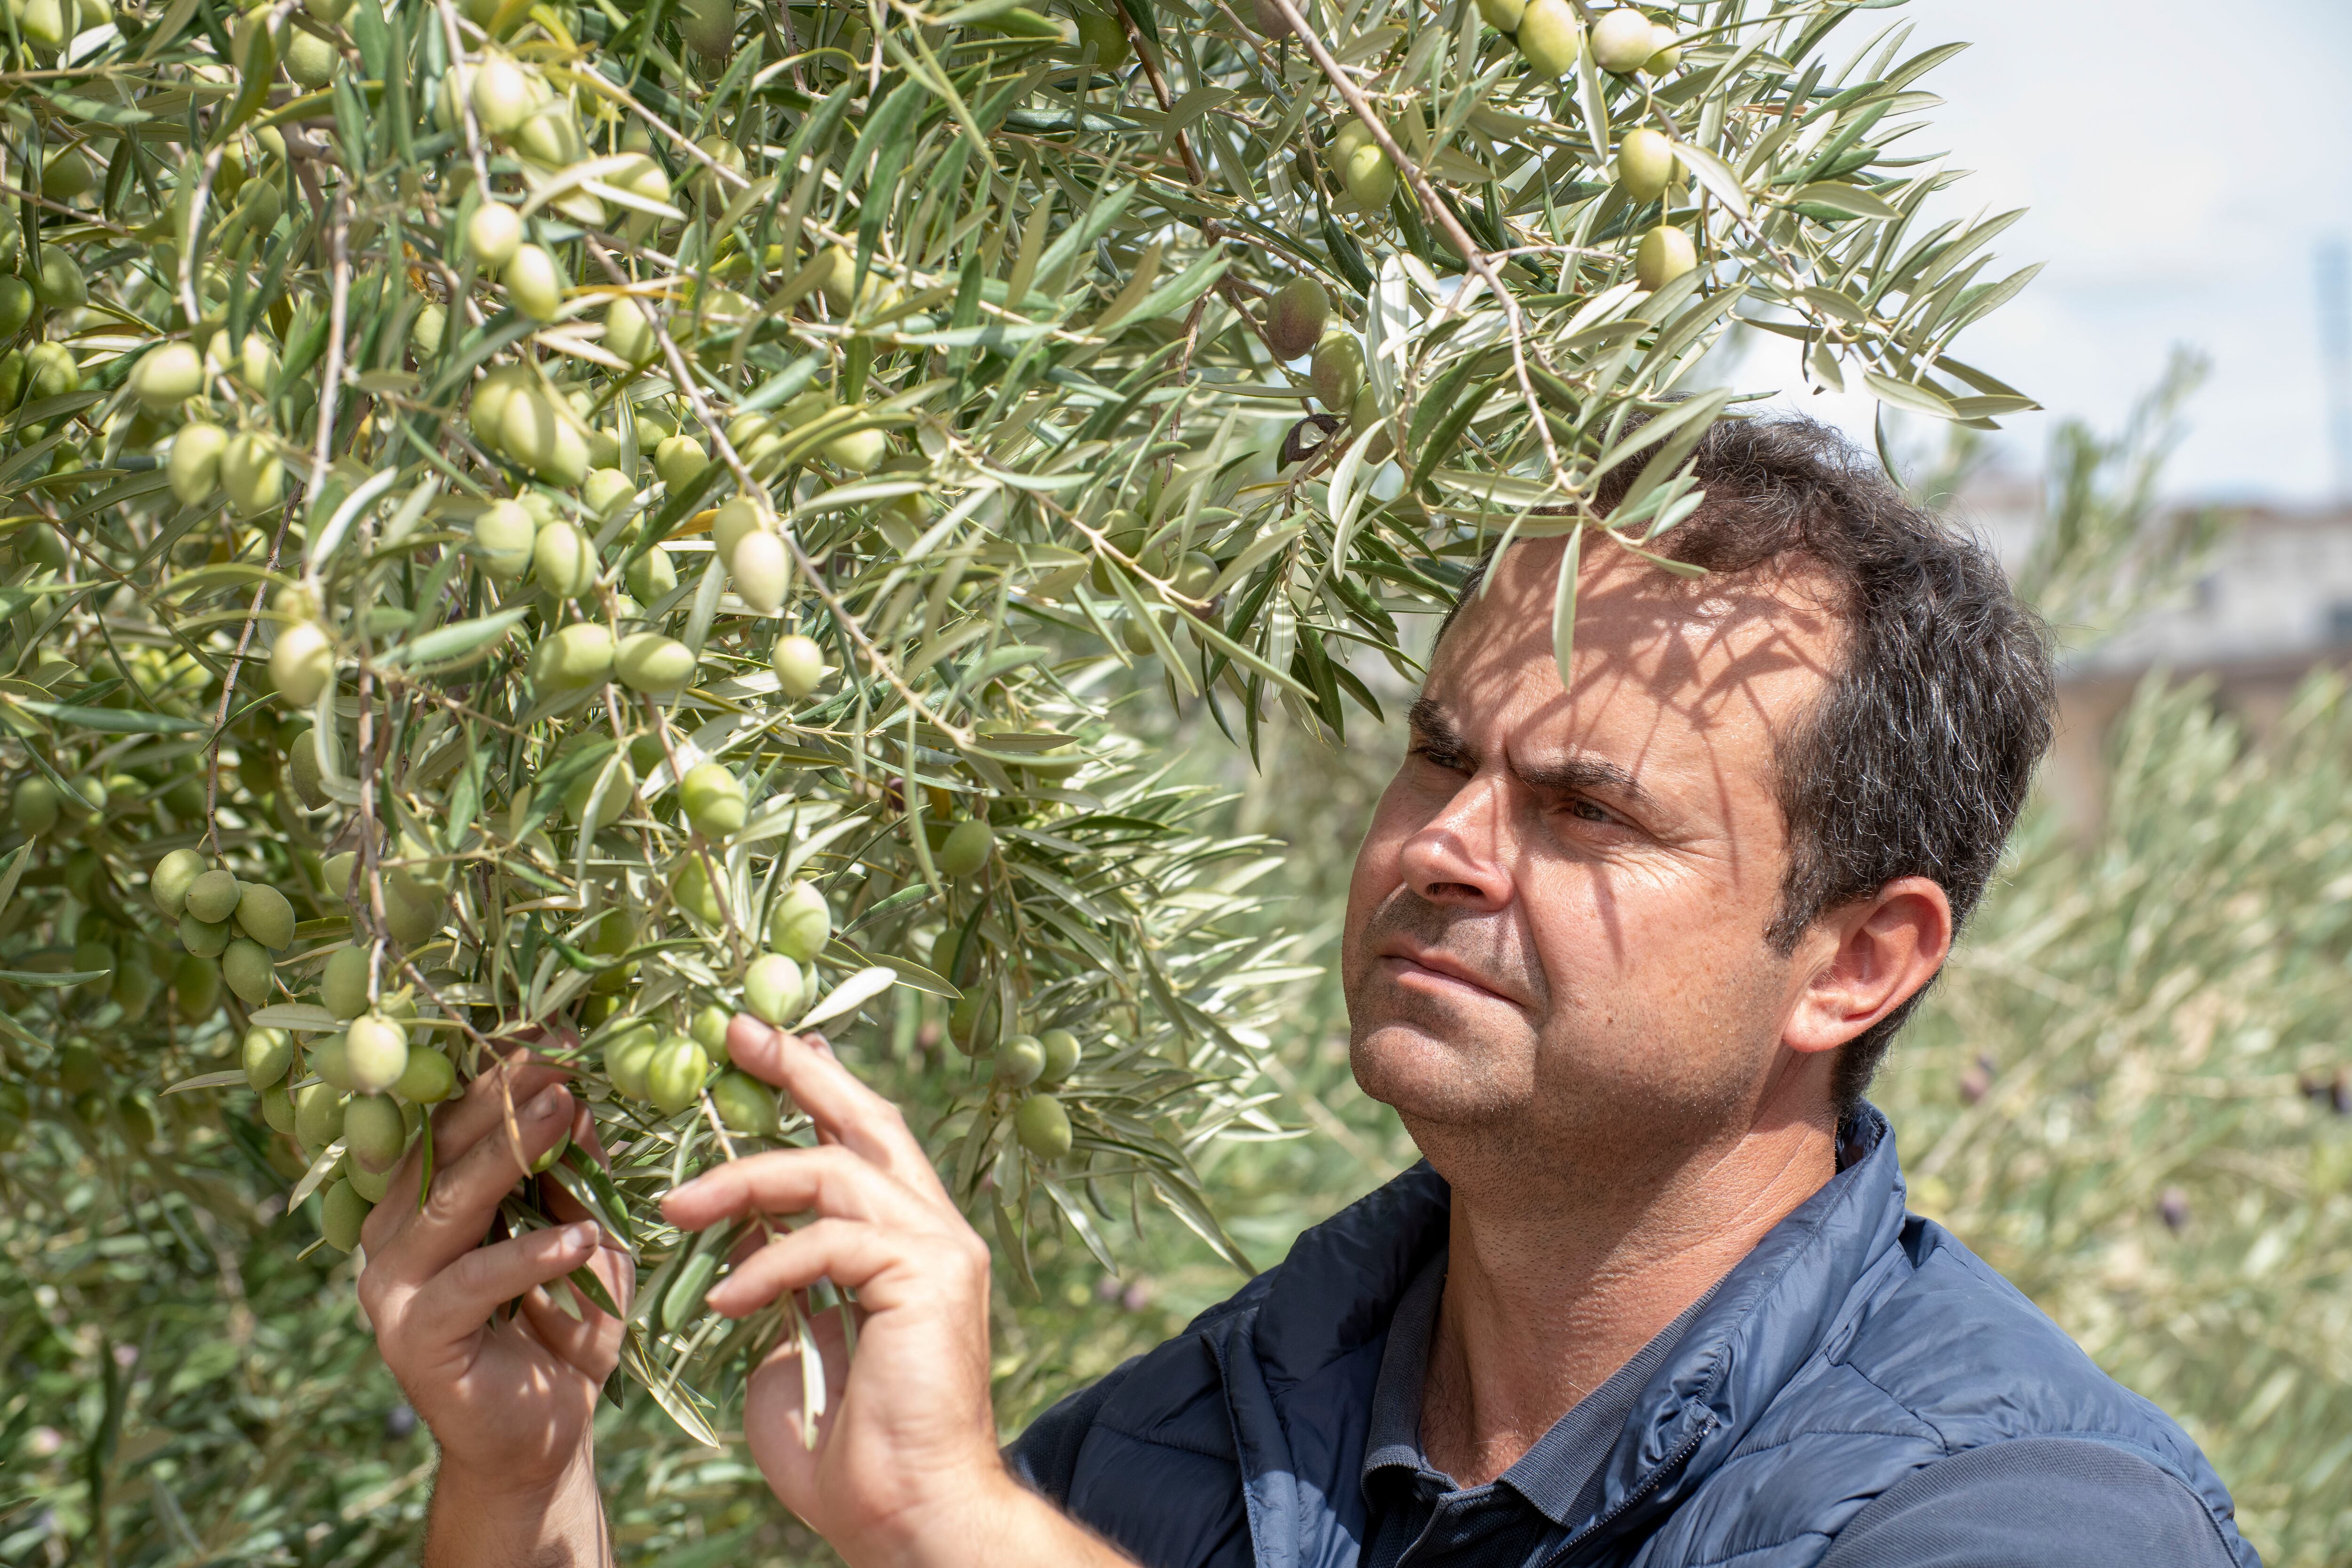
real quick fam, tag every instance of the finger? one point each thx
(849, 1252)
(591, 1341)
(842, 1107)
(832, 1181)
(467, 1191)
(385, 1221)
(505, 1085)
(443, 1315)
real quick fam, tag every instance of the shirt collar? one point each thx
(1557, 1475)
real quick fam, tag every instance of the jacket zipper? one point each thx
(1650, 1483)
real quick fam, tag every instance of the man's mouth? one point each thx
(1435, 974)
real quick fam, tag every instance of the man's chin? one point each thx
(1437, 1075)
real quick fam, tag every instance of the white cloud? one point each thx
(2181, 164)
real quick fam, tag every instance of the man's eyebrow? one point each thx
(1428, 722)
(1586, 775)
(1566, 775)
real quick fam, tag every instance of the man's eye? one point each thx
(1586, 811)
(1438, 757)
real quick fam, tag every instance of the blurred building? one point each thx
(2273, 601)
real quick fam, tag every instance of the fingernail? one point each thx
(581, 1235)
(543, 1104)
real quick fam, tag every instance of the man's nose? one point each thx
(1458, 856)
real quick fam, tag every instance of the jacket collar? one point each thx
(1337, 1291)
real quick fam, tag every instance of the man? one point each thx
(1623, 954)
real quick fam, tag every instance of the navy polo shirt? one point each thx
(1418, 1517)
(2029, 1503)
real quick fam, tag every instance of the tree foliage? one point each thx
(557, 522)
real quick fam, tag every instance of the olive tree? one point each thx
(557, 523)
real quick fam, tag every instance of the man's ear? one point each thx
(1868, 958)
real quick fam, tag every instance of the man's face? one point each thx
(1556, 935)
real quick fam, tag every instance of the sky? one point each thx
(2182, 165)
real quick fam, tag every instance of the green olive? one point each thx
(341, 1214)
(268, 1054)
(251, 473)
(1043, 1127)
(502, 95)
(745, 1104)
(1622, 40)
(1062, 1055)
(205, 938)
(373, 1132)
(34, 810)
(174, 875)
(1369, 177)
(629, 1057)
(629, 332)
(194, 463)
(775, 989)
(973, 1023)
(1020, 1060)
(580, 655)
(493, 232)
(377, 1050)
(680, 460)
(196, 987)
(1645, 163)
(653, 576)
(800, 923)
(213, 896)
(690, 886)
(1295, 320)
(318, 1114)
(713, 798)
(504, 534)
(1336, 372)
(15, 306)
(618, 787)
(263, 914)
(301, 663)
(562, 562)
(760, 571)
(343, 987)
(607, 493)
(650, 662)
(59, 284)
(968, 847)
(799, 664)
(534, 282)
(310, 60)
(676, 1073)
(167, 376)
(709, 1029)
(245, 965)
(1665, 254)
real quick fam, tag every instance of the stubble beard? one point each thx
(1575, 1093)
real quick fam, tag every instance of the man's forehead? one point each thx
(1652, 654)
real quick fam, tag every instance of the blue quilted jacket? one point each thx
(1856, 1345)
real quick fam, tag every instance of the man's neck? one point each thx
(1552, 1286)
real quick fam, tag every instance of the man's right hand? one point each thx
(509, 1403)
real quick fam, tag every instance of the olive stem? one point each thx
(1442, 216)
(332, 391)
(228, 683)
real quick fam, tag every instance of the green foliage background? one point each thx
(968, 320)
(2129, 1094)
